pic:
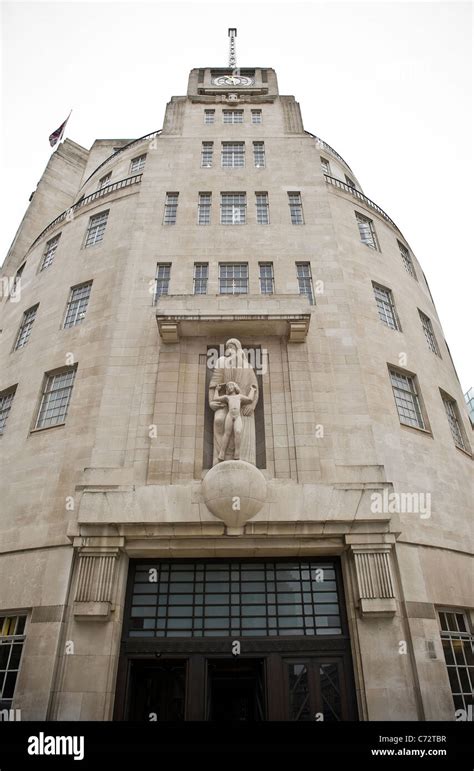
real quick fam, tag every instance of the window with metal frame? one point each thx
(325, 165)
(296, 208)
(458, 647)
(207, 152)
(96, 228)
(429, 333)
(367, 231)
(25, 327)
(266, 277)
(221, 599)
(262, 207)
(407, 399)
(233, 154)
(162, 280)
(233, 278)
(305, 281)
(209, 116)
(104, 181)
(12, 639)
(201, 273)
(259, 155)
(49, 252)
(204, 209)
(77, 304)
(171, 209)
(6, 401)
(406, 259)
(233, 208)
(137, 164)
(55, 399)
(386, 306)
(233, 116)
(454, 421)
(256, 116)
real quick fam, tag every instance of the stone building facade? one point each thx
(348, 595)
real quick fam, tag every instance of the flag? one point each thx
(56, 136)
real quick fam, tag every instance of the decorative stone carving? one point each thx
(374, 580)
(95, 581)
(234, 368)
(234, 491)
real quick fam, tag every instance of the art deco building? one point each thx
(324, 575)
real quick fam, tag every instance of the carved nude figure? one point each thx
(233, 420)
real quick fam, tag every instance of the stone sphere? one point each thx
(234, 491)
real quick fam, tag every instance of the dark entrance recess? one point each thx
(180, 630)
(235, 690)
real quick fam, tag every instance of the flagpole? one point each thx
(64, 127)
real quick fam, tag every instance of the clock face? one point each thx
(233, 80)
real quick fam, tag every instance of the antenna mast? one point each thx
(232, 55)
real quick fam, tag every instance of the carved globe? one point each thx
(234, 491)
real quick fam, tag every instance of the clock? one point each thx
(233, 80)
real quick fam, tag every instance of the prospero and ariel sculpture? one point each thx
(234, 420)
(234, 489)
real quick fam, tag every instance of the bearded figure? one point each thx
(234, 367)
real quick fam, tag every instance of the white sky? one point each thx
(387, 84)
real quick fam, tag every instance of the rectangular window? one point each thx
(256, 116)
(407, 399)
(367, 231)
(261, 203)
(6, 401)
(350, 182)
(12, 638)
(296, 208)
(55, 398)
(386, 306)
(233, 116)
(204, 209)
(137, 164)
(259, 155)
(77, 304)
(233, 278)
(429, 333)
(201, 272)
(209, 116)
(454, 421)
(104, 181)
(458, 642)
(266, 277)
(171, 209)
(325, 165)
(233, 154)
(96, 228)
(25, 327)
(305, 281)
(162, 281)
(207, 151)
(49, 252)
(233, 208)
(222, 598)
(406, 259)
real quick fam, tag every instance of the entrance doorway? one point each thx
(235, 690)
(184, 618)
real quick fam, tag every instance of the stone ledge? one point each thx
(92, 611)
(375, 608)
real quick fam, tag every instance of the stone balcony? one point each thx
(286, 316)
